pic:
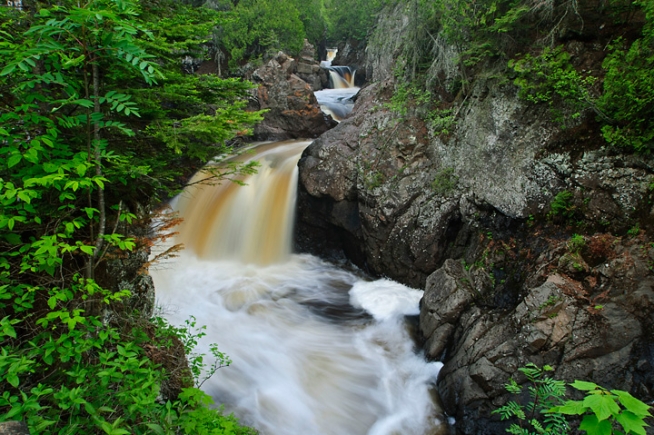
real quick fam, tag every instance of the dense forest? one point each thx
(100, 123)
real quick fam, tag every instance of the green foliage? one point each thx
(407, 93)
(80, 87)
(576, 243)
(76, 374)
(445, 181)
(351, 20)
(551, 78)
(255, 27)
(313, 19)
(633, 231)
(546, 412)
(478, 27)
(412, 93)
(562, 205)
(189, 336)
(603, 410)
(534, 417)
(629, 93)
(441, 121)
(624, 104)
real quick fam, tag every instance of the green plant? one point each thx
(551, 301)
(79, 90)
(445, 182)
(623, 105)
(576, 243)
(351, 20)
(253, 27)
(406, 91)
(551, 78)
(633, 231)
(603, 410)
(441, 121)
(189, 335)
(562, 205)
(544, 394)
(629, 90)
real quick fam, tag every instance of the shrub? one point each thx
(562, 205)
(602, 410)
(445, 181)
(576, 243)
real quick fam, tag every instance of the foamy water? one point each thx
(316, 349)
(304, 360)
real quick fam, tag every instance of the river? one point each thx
(317, 348)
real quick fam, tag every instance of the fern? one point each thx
(535, 418)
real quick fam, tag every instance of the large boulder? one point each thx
(292, 108)
(308, 68)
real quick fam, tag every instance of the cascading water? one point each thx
(331, 55)
(316, 349)
(337, 101)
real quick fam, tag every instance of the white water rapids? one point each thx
(316, 349)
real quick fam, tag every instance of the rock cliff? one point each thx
(534, 242)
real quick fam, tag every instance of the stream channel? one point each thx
(316, 348)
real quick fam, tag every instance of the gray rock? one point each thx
(293, 111)
(14, 428)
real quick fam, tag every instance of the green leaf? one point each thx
(13, 238)
(24, 196)
(602, 405)
(631, 423)
(584, 386)
(157, 429)
(8, 69)
(13, 380)
(84, 103)
(87, 249)
(7, 328)
(632, 404)
(571, 407)
(14, 160)
(593, 426)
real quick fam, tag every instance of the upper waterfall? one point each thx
(337, 101)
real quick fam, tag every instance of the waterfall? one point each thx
(331, 54)
(316, 349)
(337, 101)
(252, 225)
(342, 77)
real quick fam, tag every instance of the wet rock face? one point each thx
(417, 196)
(591, 326)
(293, 111)
(407, 199)
(369, 179)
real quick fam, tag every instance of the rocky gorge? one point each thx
(532, 241)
